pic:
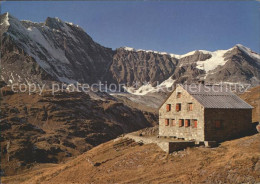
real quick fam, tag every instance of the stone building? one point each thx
(204, 113)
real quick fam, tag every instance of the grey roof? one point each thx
(216, 97)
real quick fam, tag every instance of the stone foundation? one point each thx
(165, 145)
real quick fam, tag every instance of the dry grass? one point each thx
(235, 161)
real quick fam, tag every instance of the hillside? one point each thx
(235, 161)
(253, 98)
(51, 129)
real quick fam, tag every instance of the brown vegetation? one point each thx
(52, 129)
(39, 131)
(235, 161)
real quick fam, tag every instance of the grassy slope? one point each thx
(235, 161)
(239, 159)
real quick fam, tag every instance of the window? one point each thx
(181, 122)
(179, 95)
(195, 123)
(166, 122)
(173, 122)
(187, 122)
(178, 107)
(168, 107)
(218, 124)
(190, 106)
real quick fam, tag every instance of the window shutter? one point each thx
(180, 122)
(166, 122)
(177, 107)
(186, 123)
(191, 107)
(173, 122)
(195, 123)
(168, 107)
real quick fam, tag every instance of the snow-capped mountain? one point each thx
(60, 51)
(237, 64)
(53, 50)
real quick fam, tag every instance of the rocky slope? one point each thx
(50, 51)
(235, 161)
(130, 66)
(51, 129)
(238, 65)
(59, 51)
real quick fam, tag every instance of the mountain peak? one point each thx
(128, 48)
(240, 46)
(149, 51)
(4, 19)
(57, 23)
(248, 51)
(54, 23)
(67, 54)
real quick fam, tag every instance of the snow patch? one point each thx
(187, 54)
(148, 88)
(70, 23)
(151, 51)
(248, 51)
(129, 48)
(6, 20)
(167, 83)
(38, 44)
(55, 53)
(217, 59)
(57, 18)
(166, 53)
(16, 24)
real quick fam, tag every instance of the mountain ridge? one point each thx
(178, 56)
(60, 51)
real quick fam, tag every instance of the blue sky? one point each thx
(171, 26)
